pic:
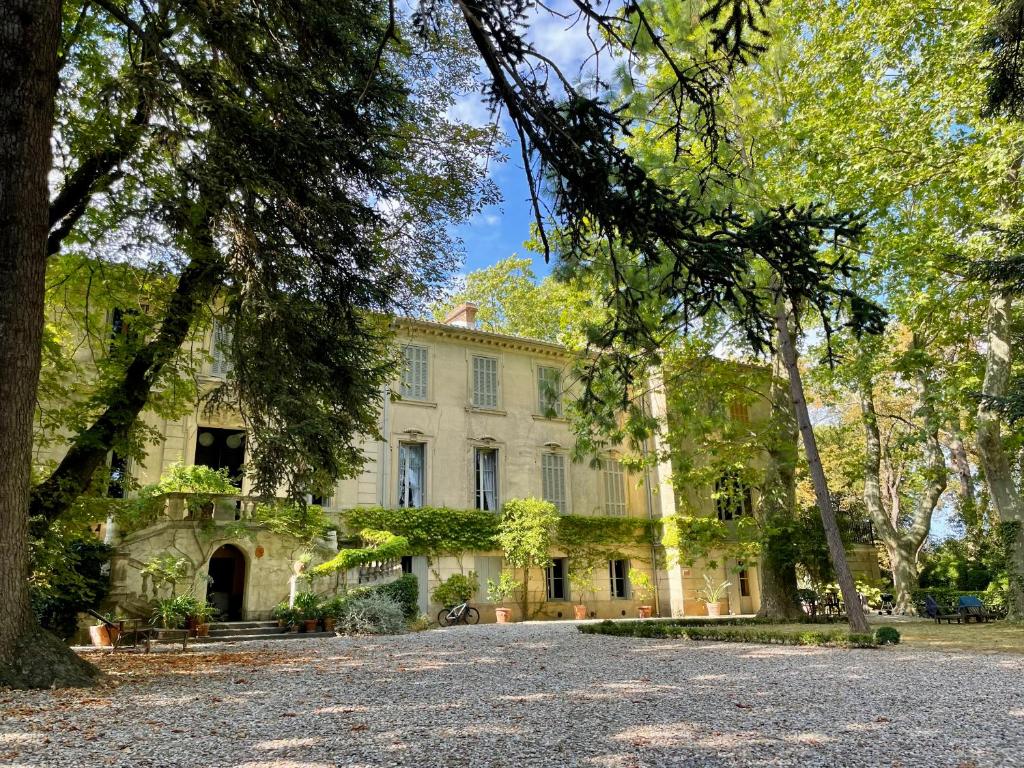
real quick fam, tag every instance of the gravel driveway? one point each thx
(531, 695)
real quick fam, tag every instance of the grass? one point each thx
(992, 637)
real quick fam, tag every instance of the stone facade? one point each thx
(479, 421)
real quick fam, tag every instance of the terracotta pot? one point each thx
(202, 630)
(328, 623)
(579, 612)
(503, 615)
(103, 636)
(644, 611)
(310, 625)
(714, 609)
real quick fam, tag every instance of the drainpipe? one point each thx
(385, 453)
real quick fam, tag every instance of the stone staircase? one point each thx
(241, 631)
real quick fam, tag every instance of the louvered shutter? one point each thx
(614, 488)
(485, 382)
(553, 480)
(221, 349)
(414, 373)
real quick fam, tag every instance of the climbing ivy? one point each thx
(435, 531)
(381, 545)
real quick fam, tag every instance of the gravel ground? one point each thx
(520, 696)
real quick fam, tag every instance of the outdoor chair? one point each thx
(969, 607)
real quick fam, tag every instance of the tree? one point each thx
(270, 162)
(524, 535)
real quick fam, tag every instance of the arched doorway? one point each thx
(226, 590)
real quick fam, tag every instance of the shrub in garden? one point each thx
(457, 588)
(372, 614)
(887, 636)
(406, 592)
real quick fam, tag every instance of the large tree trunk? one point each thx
(858, 623)
(992, 452)
(779, 597)
(29, 33)
(903, 546)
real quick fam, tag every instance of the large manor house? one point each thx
(479, 419)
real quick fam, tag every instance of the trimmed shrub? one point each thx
(406, 592)
(457, 588)
(761, 633)
(372, 614)
(887, 636)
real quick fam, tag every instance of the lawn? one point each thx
(998, 636)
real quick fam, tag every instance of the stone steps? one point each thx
(243, 631)
(281, 635)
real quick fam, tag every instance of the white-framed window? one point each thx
(552, 470)
(555, 578)
(486, 567)
(411, 475)
(549, 391)
(414, 372)
(222, 336)
(617, 576)
(485, 473)
(614, 487)
(733, 497)
(485, 381)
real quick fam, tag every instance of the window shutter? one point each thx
(414, 372)
(553, 480)
(614, 488)
(485, 382)
(221, 349)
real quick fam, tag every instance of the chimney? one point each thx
(463, 316)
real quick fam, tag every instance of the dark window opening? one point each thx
(222, 449)
(744, 583)
(733, 497)
(556, 579)
(617, 570)
(117, 485)
(406, 563)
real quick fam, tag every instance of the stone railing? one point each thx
(382, 570)
(219, 507)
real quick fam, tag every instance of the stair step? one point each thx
(271, 630)
(275, 636)
(241, 624)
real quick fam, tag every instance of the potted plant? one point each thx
(712, 594)
(203, 612)
(643, 590)
(581, 579)
(282, 613)
(167, 613)
(331, 611)
(499, 591)
(307, 604)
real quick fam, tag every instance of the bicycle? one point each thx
(463, 613)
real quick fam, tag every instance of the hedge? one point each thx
(760, 633)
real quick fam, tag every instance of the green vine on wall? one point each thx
(381, 545)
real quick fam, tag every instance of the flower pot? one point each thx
(328, 623)
(103, 636)
(714, 609)
(309, 625)
(503, 615)
(644, 611)
(202, 630)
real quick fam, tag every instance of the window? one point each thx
(406, 563)
(221, 349)
(732, 496)
(555, 577)
(614, 488)
(617, 570)
(739, 412)
(485, 470)
(486, 567)
(119, 476)
(410, 474)
(485, 382)
(552, 470)
(744, 583)
(414, 373)
(549, 391)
